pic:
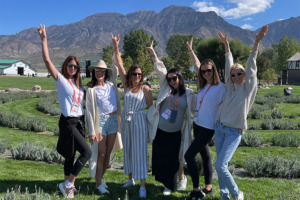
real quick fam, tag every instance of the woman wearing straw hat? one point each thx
(71, 123)
(103, 110)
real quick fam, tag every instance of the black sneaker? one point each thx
(207, 191)
(196, 195)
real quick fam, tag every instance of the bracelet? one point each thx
(116, 49)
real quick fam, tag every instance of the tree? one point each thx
(168, 62)
(263, 63)
(134, 51)
(178, 52)
(107, 54)
(287, 47)
(269, 75)
(213, 49)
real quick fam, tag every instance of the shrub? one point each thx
(56, 131)
(10, 97)
(46, 106)
(273, 94)
(268, 166)
(293, 116)
(4, 144)
(255, 114)
(253, 126)
(276, 114)
(28, 151)
(12, 120)
(251, 139)
(267, 125)
(286, 140)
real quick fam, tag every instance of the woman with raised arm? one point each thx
(103, 111)
(169, 123)
(71, 123)
(241, 88)
(210, 95)
(137, 98)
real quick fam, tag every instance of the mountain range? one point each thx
(87, 37)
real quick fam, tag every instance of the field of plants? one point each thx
(266, 165)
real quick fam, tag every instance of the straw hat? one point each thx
(99, 64)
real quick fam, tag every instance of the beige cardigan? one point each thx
(153, 111)
(92, 122)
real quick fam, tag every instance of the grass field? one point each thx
(35, 175)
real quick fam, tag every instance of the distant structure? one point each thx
(294, 69)
(16, 67)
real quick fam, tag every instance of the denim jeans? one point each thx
(227, 140)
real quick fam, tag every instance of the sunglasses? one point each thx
(237, 74)
(100, 70)
(206, 71)
(136, 74)
(71, 65)
(174, 78)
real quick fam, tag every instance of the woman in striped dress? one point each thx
(133, 122)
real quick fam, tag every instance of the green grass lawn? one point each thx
(47, 177)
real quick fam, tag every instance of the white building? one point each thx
(15, 67)
(294, 69)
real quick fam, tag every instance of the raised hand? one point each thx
(189, 44)
(223, 39)
(116, 40)
(150, 48)
(42, 31)
(262, 33)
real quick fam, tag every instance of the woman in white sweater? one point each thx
(241, 87)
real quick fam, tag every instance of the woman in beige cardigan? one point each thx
(103, 109)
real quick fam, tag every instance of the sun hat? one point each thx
(99, 64)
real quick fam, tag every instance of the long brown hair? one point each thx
(129, 74)
(201, 80)
(64, 71)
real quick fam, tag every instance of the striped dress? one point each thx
(134, 134)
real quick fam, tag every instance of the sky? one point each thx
(17, 15)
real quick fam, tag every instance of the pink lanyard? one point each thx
(74, 99)
(202, 97)
(176, 100)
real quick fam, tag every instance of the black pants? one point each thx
(72, 140)
(202, 136)
(165, 158)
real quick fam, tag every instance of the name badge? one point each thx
(166, 114)
(75, 107)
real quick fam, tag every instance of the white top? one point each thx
(239, 98)
(210, 109)
(106, 99)
(65, 96)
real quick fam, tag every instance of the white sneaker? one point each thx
(182, 184)
(104, 184)
(142, 192)
(129, 183)
(167, 192)
(240, 197)
(102, 190)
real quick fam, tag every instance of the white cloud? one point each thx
(248, 19)
(247, 26)
(242, 7)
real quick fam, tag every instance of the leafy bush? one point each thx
(28, 151)
(255, 113)
(273, 94)
(276, 114)
(4, 144)
(268, 166)
(12, 120)
(16, 193)
(253, 126)
(293, 116)
(267, 125)
(46, 106)
(56, 131)
(10, 97)
(251, 139)
(286, 140)
(293, 99)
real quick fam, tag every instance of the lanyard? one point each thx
(74, 99)
(176, 100)
(202, 97)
